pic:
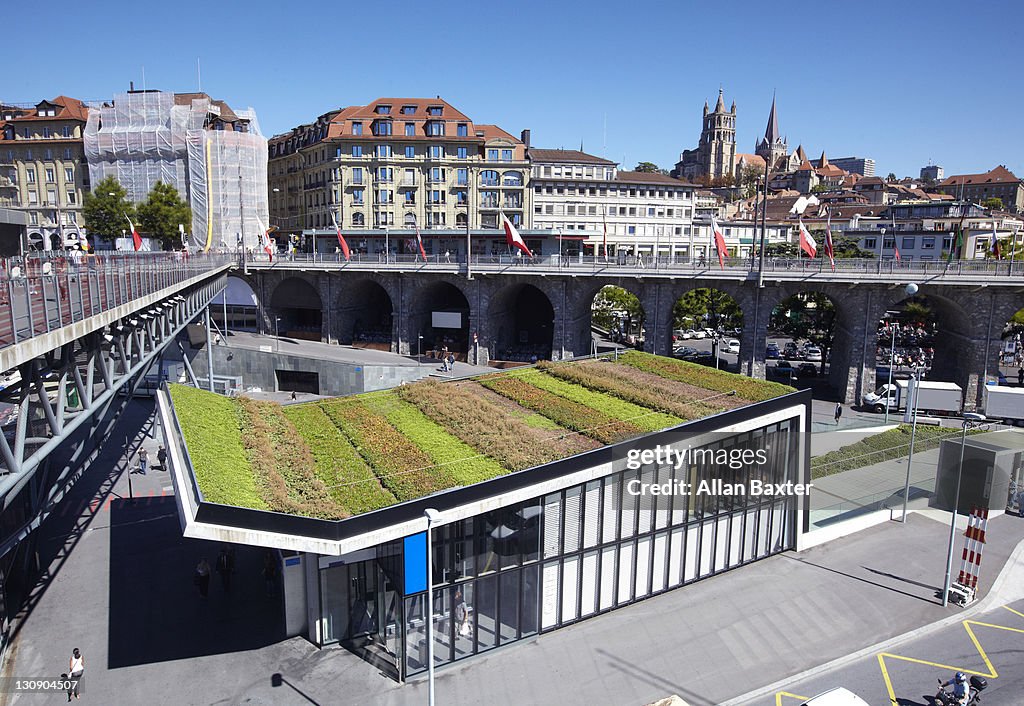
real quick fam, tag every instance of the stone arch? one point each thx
(581, 313)
(452, 330)
(241, 304)
(1010, 356)
(363, 314)
(521, 321)
(296, 309)
(723, 307)
(839, 359)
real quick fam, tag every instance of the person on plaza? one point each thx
(1020, 376)
(225, 567)
(960, 691)
(202, 577)
(703, 261)
(462, 626)
(450, 363)
(143, 460)
(76, 667)
(839, 412)
(161, 457)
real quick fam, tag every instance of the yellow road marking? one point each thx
(779, 695)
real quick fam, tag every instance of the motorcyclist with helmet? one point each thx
(961, 693)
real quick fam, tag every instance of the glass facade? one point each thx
(562, 557)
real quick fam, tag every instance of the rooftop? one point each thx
(341, 457)
(560, 156)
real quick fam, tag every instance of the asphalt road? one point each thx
(989, 644)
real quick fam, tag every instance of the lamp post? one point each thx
(432, 516)
(911, 290)
(970, 419)
(892, 362)
(277, 332)
(419, 347)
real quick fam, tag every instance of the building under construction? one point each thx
(215, 157)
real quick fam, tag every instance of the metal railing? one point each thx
(44, 292)
(734, 268)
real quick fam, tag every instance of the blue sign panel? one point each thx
(415, 551)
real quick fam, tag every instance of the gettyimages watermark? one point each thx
(766, 465)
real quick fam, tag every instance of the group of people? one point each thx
(225, 568)
(447, 360)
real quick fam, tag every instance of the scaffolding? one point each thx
(216, 162)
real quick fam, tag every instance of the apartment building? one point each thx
(42, 169)
(382, 170)
(580, 195)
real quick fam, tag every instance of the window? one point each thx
(488, 177)
(66, 131)
(410, 129)
(462, 176)
(47, 132)
(410, 197)
(33, 218)
(436, 151)
(48, 153)
(488, 199)
(50, 176)
(357, 175)
(435, 110)
(461, 198)
(30, 176)
(69, 174)
(492, 155)
(462, 153)
(357, 128)
(383, 196)
(408, 110)
(358, 219)
(33, 197)
(462, 130)
(383, 110)
(870, 243)
(928, 243)
(382, 127)
(435, 128)
(71, 198)
(631, 230)
(384, 174)
(907, 244)
(437, 174)
(384, 151)
(506, 155)
(436, 196)
(512, 179)
(888, 243)
(357, 150)
(410, 152)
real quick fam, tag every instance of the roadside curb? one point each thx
(1007, 588)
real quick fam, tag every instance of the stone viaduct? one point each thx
(506, 308)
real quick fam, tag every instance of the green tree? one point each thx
(809, 316)
(781, 250)
(750, 178)
(614, 304)
(105, 208)
(649, 168)
(819, 188)
(993, 204)
(715, 307)
(161, 213)
(891, 177)
(848, 248)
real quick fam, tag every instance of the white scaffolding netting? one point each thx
(149, 136)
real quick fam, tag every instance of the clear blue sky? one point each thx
(903, 83)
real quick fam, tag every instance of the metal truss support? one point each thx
(75, 394)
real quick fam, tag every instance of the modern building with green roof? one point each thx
(562, 491)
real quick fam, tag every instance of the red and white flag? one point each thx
(341, 239)
(807, 242)
(419, 243)
(136, 239)
(512, 236)
(265, 240)
(719, 243)
(604, 218)
(830, 249)
(895, 250)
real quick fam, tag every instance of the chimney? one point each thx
(526, 138)
(131, 86)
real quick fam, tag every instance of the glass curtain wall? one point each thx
(563, 557)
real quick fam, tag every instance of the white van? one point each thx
(836, 697)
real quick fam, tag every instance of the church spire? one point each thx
(720, 106)
(771, 133)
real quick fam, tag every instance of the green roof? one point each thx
(340, 457)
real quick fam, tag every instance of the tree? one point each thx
(649, 168)
(750, 178)
(161, 213)
(613, 304)
(781, 250)
(715, 307)
(105, 209)
(891, 177)
(847, 248)
(809, 316)
(993, 204)
(819, 188)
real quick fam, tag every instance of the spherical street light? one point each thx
(911, 289)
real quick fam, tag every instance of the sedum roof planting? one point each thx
(340, 457)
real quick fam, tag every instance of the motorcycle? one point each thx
(946, 698)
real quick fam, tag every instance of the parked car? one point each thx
(812, 354)
(790, 352)
(732, 346)
(807, 370)
(771, 351)
(699, 334)
(681, 335)
(684, 352)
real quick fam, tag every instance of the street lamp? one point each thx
(277, 332)
(432, 516)
(971, 419)
(419, 348)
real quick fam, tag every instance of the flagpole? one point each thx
(469, 249)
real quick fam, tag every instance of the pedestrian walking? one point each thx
(1020, 377)
(202, 577)
(839, 412)
(450, 361)
(76, 667)
(225, 567)
(143, 460)
(161, 457)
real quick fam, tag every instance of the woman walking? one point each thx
(76, 665)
